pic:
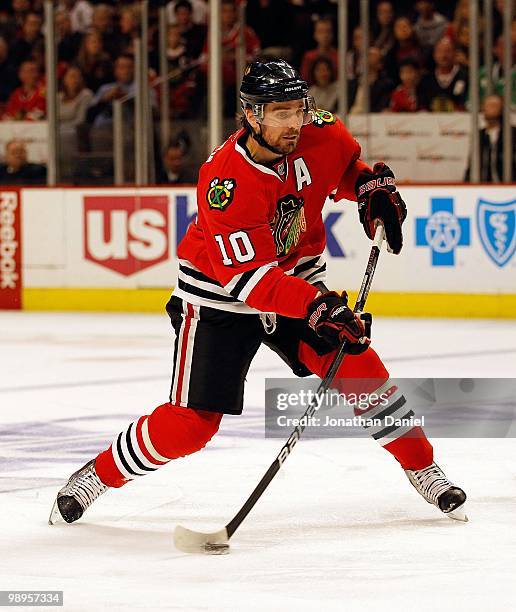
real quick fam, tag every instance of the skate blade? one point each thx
(459, 514)
(55, 515)
(216, 543)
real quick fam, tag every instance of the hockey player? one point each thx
(250, 272)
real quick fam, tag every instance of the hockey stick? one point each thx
(217, 542)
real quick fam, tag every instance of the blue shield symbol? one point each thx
(497, 228)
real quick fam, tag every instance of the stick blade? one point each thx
(189, 541)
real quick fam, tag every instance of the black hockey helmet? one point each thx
(274, 81)
(271, 81)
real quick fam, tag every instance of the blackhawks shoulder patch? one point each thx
(220, 193)
(323, 117)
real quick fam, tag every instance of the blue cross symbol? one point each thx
(442, 231)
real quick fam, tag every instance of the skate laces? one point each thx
(431, 482)
(86, 487)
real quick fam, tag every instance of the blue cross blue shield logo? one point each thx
(443, 231)
(497, 228)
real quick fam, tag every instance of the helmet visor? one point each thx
(294, 113)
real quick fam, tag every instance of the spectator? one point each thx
(94, 62)
(462, 46)
(38, 56)
(230, 36)
(8, 77)
(460, 17)
(354, 56)
(323, 36)
(129, 27)
(184, 91)
(17, 170)
(430, 25)
(324, 88)
(14, 22)
(497, 74)
(81, 14)
(405, 98)
(68, 41)
(193, 35)
(273, 20)
(383, 31)
(102, 21)
(406, 46)
(74, 98)
(199, 12)
(498, 12)
(30, 35)
(20, 9)
(174, 161)
(27, 102)
(491, 143)
(101, 108)
(380, 87)
(445, 88)
(176, 48)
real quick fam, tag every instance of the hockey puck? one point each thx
(216, 549)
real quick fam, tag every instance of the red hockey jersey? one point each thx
(257, 242)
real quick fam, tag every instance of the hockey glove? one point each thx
(378, 200)
(329, 316)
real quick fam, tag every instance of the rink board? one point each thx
(115, 249)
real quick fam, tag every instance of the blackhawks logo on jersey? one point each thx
(323, 117)
(288, 224)
(220, 194)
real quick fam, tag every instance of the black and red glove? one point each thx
(329, 316)
(378, 200)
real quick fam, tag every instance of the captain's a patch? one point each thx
(220, 193)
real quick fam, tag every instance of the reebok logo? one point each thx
(9, 276)
(10, 250)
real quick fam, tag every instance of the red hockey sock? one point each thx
(152, 441)
(412, 448)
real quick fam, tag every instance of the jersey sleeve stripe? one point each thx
(198, 275)
(205, 285)
(231, 285)
(209, 295)
(248, 280)
(320, 271)
(243, 279)
(306, 265)
(255, 279)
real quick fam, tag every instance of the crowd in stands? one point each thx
(417, 60)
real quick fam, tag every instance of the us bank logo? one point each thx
(442, 231)
(497, 228)
(126, 234)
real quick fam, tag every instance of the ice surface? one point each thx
(340, 528)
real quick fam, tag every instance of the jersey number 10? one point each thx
(241, 246)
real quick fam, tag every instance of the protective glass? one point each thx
(286, 114)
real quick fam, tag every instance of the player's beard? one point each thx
(283, 144)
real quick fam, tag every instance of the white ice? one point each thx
(340, 528)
